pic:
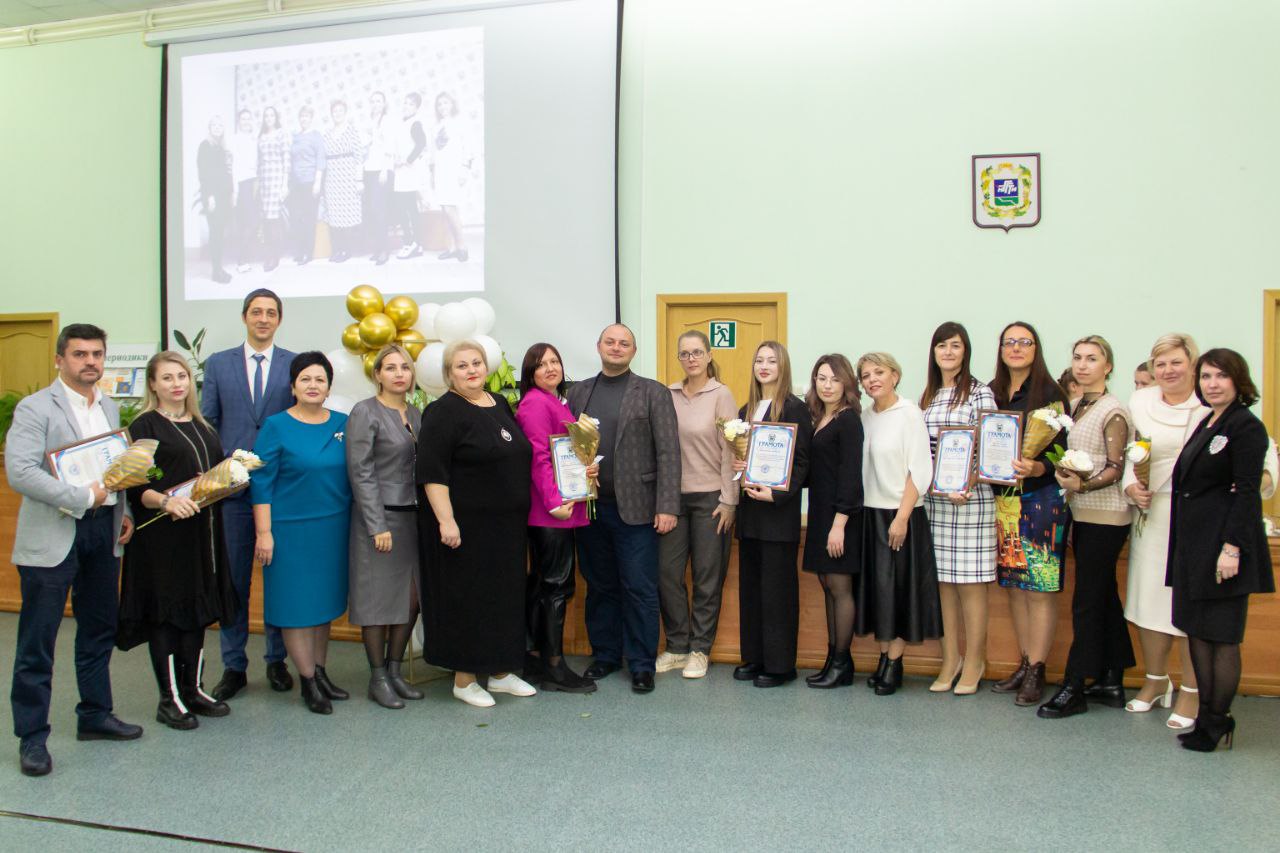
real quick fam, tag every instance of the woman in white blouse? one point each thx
(898, 585)
(1167, 413)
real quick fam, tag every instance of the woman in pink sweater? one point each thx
(542, 414)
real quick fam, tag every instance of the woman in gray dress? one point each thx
(381, 441)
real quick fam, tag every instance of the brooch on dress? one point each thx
(1219, 442)
(505, 435)
(338, 435)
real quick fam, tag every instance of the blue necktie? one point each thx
(257, 383)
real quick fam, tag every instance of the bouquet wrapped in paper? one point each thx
(584, 435)
(734, 432)
(134, 467)
(1042, 427)
(1077, 462)
(227, 478)
(1139, 453)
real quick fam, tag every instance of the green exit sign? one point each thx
(724, 334)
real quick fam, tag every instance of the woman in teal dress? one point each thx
(301, 510)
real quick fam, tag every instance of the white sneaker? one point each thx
(513, 684)
(473, 694)
(668, 661)
(696, 667)
(243, 268)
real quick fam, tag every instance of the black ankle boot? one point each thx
(1107, 690)
(838, 674)
(380, 689)
(892, 678)
(313, 696)
(826, 666)
(171, 711)
(402, 688)
(882, 667)
(558, 677)
(330, 689)
(1210, 729)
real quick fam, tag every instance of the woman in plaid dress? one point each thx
(963, 526)
(273, 184)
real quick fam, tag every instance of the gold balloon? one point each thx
(363, 300)
(402, 310)
(369, 358)
(351, 339)
(377, 330)
(413, 341)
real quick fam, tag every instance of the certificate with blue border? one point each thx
(84, 462)
(999, 445)
(771, 451)
(570, 473)
(953, 461)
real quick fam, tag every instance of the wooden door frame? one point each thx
(669, 300)
(1270, 376)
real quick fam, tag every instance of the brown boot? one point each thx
(1032, 689)
(1014, 681)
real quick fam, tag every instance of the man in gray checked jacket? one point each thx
(639, 501)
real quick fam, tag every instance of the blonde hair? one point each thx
(393, 349)
(190, 403)
(782, 388)
(1174, 340)
(880, 359)
(1101, 343)
(452, 350)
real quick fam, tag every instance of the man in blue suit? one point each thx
(243, 386)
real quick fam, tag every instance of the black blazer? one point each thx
(780, 521)
(1216, 500)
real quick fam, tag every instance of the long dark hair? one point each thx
(528, 367)
(842, 370)
(964, 379)
(1040, 386)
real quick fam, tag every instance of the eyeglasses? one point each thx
(690, 356)
(1010, 343)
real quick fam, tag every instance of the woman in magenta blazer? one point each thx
(542, 414)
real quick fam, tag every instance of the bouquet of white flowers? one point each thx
(1041, 428)
(1077, 462)
(735, 433)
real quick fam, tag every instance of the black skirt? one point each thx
(897, 591)
(1215, 620)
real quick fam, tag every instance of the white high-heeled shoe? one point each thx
(1137, 706)
(1177, 722)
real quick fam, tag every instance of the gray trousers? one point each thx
(695, 543)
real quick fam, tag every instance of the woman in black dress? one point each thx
(833, 547)
(175, 582)
(1218, 551)
(769, 532)
(474, 464)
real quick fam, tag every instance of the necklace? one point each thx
(178, 417)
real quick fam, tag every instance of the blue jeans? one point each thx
(620, 565)
(237, 524)
(91, 572)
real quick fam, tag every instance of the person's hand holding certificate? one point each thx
(570, 472)
(953, 461)
(85, 463)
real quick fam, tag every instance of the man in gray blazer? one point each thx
(69, 538)
(639, 501)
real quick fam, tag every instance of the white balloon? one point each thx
(454, 322)
(348, 375)
(492, 351)
(339, 403)
(483, 312)
(426, 324)
(429, 367)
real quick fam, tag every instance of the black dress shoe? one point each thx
(560, 678)
(642, 682)
(601, 669)
(1067, 702)
(1107, 690)
(773, 679)
(277, 676)
(232, 682)
(330, 689)
(747, 672)
(110, 728)
(35, 760)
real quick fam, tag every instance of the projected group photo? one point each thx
(307, 165)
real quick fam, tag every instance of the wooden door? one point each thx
(28, 343)
(754, 317)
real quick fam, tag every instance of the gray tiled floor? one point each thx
(710, 765)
